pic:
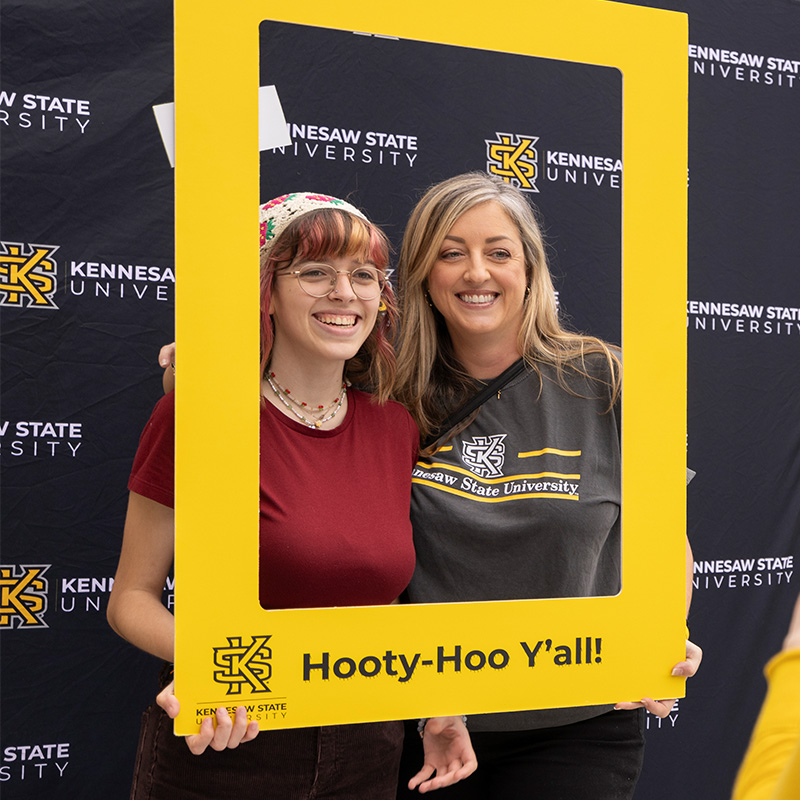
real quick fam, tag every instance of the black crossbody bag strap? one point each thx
(476, 401)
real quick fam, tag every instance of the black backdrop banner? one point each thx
(87, 280)
(449, 110)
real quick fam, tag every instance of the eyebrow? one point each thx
(488, 241)
(356, 262)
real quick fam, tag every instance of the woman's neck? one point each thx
(484, 360)
(313, 384)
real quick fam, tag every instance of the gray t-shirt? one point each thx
(524, 503)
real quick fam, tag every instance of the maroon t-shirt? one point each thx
(334, 510)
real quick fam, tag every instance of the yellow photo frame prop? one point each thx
(300, 667)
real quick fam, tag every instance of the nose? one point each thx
(342, 289)
(476, 269)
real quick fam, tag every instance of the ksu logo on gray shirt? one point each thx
(485, 455)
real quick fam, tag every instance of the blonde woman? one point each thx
(477, 302)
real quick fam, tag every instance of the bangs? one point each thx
(330, 233)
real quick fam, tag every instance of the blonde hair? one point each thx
(430, 380)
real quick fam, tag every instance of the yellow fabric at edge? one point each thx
(771, 767)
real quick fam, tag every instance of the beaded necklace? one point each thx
(285, 396)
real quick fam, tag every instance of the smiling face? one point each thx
(478, 283)
(320, 329)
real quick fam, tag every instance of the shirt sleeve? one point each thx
(153, 473)
(771, 767)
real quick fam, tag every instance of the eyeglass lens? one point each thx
(319, 279)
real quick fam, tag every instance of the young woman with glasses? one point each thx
(326, 315)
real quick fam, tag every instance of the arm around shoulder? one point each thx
(166, 359)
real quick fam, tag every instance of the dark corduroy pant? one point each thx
(345, 762)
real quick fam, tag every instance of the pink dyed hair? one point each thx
(333, 233)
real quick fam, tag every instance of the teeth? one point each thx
(340, 320)
(476, 298)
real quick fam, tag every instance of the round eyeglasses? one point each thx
(319, 280)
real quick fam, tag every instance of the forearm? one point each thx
(135, 610)
(140, 618)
